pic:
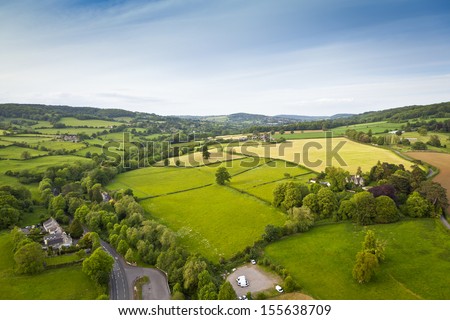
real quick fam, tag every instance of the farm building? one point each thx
(56, 238)
(356, 180)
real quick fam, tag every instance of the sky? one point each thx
(204, 57)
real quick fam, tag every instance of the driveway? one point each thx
(259, 280)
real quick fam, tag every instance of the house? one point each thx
(51, 226)
(357, 180)
(105, 196)
(58, 240)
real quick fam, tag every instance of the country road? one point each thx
(123, 276)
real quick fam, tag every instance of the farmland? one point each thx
(376, 127)
(13, 152)
(62, 283)
(73, 122)
(440, 161)
(38, 164)
(313, 154)
(196, 158)
(416, 265)
(215, 221)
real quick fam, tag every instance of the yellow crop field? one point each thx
(317, 154)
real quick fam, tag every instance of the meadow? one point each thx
(38, 164)
(155, 181)
(70, 130)
(14, 152)
(215, 221)
(415, 136)
(68, 283)
(62, 145)
(416, 266)
(74, 122)
(313, 153)
(376, 127)
(307, 134)
(196, 158)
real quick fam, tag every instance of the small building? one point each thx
(58, 240)
(357, 180)
(51, 226)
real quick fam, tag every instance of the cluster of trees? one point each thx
(13, 202)
(397, 192)
(28, 255)
(369, 258)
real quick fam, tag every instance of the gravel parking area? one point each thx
(259, 280)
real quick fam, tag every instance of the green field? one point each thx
(74, 122)
(154, 181)
(69, 130)
(376, 127)
(30, 139)
(265, 191)
(62, 145)
(31, 218)
(416, 267)
(14, 152)
(38, 164)
(57, 260)
(91, 149)
(5, 143)
(215, 221)
(299, 135)
(68, 283)
(415, 136)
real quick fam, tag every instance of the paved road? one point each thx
(123, 277)
(119, 287)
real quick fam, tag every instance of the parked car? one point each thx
(279, 288)
(253, 261)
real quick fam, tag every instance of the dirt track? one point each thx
(439, 160)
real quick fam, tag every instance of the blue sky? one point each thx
(205, 57)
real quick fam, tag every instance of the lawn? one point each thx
(74, 122)
(416, 267)
(215, 221)
(57, 260)
(68, 283)
(316, 154)
(14, 152)
(31, 218)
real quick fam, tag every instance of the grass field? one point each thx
(215, 221)
(74, 122)
(416, 267)
(68, 283)
(91, 149)
(34, 217)
(444, 138)
(5, 143)
(265, 191)
(14, 152)
(61, 145)
(376, 127)
(196, 158)
(312, 153)
(57, 260)
(70, 130)
(154, 181)
(38, 164)
(30, 139)
(316, 134)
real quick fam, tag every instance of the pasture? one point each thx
(196, 158)
(14, 152)
(155, 181)
(264, 191)
(29, 139)
(317, 154)
(94, 123)
(62, 145)
(38, 164)
(68, 283)
(416, 266)
(415, 136)
(376, 127)
(70, 130)
(215, 221)
(307, 134)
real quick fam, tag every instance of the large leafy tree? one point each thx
(226, 292)
(364, 208)
(327, 202)
(29, 258)
(222, 176)
(98, 266)
(365, 266)
(386, 209)
(417, 206)
(337, 178)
